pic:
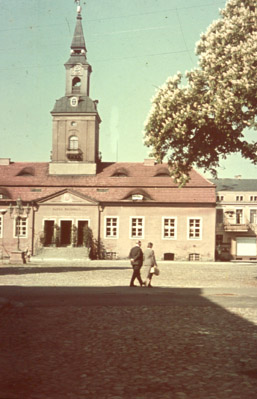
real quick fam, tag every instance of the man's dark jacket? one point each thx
(136, 253)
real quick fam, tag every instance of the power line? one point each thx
(97, 61)
(119, 16)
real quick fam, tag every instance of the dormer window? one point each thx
(4, 193)
(162, 172)
(137, 197)
(28, 171)
(120, 172)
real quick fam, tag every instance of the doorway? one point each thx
(81, 225)
(48, 232)
(65, 236)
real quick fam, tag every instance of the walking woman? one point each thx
(149, 262)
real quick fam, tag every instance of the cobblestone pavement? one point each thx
(94, 337)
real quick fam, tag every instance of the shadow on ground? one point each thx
(93, 342)
(16, 270)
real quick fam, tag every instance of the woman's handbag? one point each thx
(155, 270)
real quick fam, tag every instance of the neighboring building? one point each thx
(45, 204)
(236, 225)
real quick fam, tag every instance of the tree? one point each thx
(205, 120)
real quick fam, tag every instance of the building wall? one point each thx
(85, 128)
(229, 202)
(181, 246)
(8, 238)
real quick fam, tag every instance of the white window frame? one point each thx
(169, 227)
(142, 227)
(255, 212)
(21, 227)
(253, 198)
(73, 142)
(111, 227)
(200, 227)
(1, 226)
(239, 198)
(242, 215)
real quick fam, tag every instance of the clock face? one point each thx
(73, 101)
(77, 68)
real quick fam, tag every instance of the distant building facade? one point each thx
(43, 205)
(236, 226)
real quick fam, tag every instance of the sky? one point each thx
(133, 46)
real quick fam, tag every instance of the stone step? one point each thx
(61, 253)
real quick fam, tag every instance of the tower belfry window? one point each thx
(76, 84)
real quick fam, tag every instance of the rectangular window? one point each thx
(220, 198)
(239, 198)
(253, 198)
(195, 228)
(137, 227)
(169, 228)
(239, 216)
(21, 227)
(111, 227)
(253, 216)
(219, 215)
(1, 226)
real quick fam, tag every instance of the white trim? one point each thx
(143, 227)
(252, 209)
(239, 198)
(188, 228)
(175, 227)
(82, 220)
(14, 225)
(117, 227)
(47, 219)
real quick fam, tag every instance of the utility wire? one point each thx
(121, 16)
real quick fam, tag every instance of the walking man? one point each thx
(136, 259)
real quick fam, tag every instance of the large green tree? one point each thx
(204, 120)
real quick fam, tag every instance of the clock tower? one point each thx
(75, 148)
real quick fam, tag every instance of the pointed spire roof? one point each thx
(78, 41)
(78, 45)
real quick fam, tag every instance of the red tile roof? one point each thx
(32, 181)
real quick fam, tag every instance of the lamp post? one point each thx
(18, 212)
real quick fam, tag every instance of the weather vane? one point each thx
(78, 6)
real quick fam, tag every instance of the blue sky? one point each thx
(133, 46)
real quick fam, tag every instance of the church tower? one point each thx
(75, 148)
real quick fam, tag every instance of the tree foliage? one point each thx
(199, 123)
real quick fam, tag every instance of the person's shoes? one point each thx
(143, 284)
(132, 285)
(150, 286)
